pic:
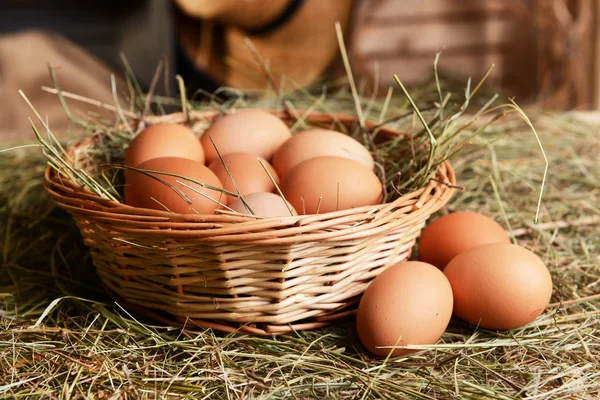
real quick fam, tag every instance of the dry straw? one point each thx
(60, 337)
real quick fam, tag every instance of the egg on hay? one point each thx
(499, 286)
(454, 233)
(408, 304)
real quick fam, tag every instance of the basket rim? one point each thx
(216, 227)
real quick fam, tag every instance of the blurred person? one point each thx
(297, 39)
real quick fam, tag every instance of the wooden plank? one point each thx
(415, 70)
(592, 117)
(583, 81)
(433, 36)
(387, 9)
(595, 48)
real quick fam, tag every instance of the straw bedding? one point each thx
(62, 337)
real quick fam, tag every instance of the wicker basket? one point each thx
(235, 273)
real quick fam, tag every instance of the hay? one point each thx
(61, 337)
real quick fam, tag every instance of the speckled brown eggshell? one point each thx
(312, 186)
(450, 235)
(247, 172)
(408, 304)
(141, 189)
(499, 286)
(245, 131)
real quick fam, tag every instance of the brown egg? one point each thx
(316, 143)
(325, 184)
(263, 205)
(499, 286)
(450, 235)
(163, 140)
(247, 172)
(245, 131)
(141, 189)
(408, 304)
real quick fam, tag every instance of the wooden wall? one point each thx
(569, 69)
(402, 37)
(545, 51)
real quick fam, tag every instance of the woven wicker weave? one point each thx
(235, 273)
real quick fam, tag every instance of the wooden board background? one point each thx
(403, 37)
(544, 51)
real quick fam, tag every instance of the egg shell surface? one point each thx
(245, 131)
(246, 171)
(451, 234)
(319, 142)
(163, 140)
(499, 286)
(408, 304)
(312, 186)
(266, 205)
(140, 189)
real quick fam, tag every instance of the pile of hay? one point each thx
(62, 337)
